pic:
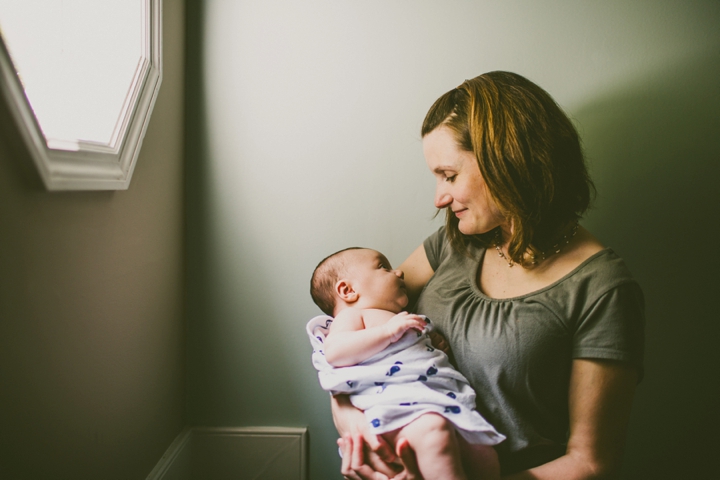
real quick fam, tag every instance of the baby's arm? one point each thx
(349, 342)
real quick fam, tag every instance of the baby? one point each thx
(384, 358)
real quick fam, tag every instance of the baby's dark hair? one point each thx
(323, 280)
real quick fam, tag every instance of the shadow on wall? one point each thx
(230, 323)
(654, 151)
(15, 153)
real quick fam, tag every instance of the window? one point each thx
(80, 78)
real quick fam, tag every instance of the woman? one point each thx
(545, 322)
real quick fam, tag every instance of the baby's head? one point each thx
(357, 277)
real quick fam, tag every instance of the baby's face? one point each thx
(377, 284)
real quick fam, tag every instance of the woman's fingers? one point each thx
(345, 445)
(357, 460)
(348, 468)
(381, 457)
(353, 463)
(407, 457)
(381, 448)
(364, 454)
(359, 464)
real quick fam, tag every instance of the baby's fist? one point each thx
(401, 323)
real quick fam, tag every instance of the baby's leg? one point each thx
(436, 446)
(480, 461)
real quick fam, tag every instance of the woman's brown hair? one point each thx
(529, 155)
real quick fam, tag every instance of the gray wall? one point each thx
(304, 120)
(92, 335)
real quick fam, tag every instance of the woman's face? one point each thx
(460, 186)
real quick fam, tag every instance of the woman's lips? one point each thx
(459, 213)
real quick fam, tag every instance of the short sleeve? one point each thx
(613, 327)
(436, 248)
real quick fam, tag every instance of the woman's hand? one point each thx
(408, 460)
(354, 467)
(365, 456)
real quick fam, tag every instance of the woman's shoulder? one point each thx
(598, 263)
(588, 260)
(584, 272)
(437, 248)
(604, 266)
(602, 275)
(588, 267)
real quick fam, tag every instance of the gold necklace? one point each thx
(543, 255)
(498, 239)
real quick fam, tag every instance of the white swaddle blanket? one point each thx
(407, 379)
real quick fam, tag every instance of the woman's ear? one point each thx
(345, 291)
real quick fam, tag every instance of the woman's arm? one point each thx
(417, 272)
(600, 399)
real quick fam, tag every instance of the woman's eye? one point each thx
(450, 178)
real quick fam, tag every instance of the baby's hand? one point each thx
(401, 323)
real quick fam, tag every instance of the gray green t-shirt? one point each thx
(517, 352)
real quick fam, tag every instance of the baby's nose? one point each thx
(400, 273)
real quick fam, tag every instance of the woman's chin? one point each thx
(466, 229)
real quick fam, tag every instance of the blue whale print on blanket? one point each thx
(405, 380)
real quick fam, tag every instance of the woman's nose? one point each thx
(442, 198)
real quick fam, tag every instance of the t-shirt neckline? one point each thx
(475, 273)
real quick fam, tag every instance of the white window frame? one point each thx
(93, 166)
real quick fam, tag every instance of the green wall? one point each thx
(655, 152)
(303, 122)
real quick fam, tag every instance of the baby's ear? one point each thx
(345, 291)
